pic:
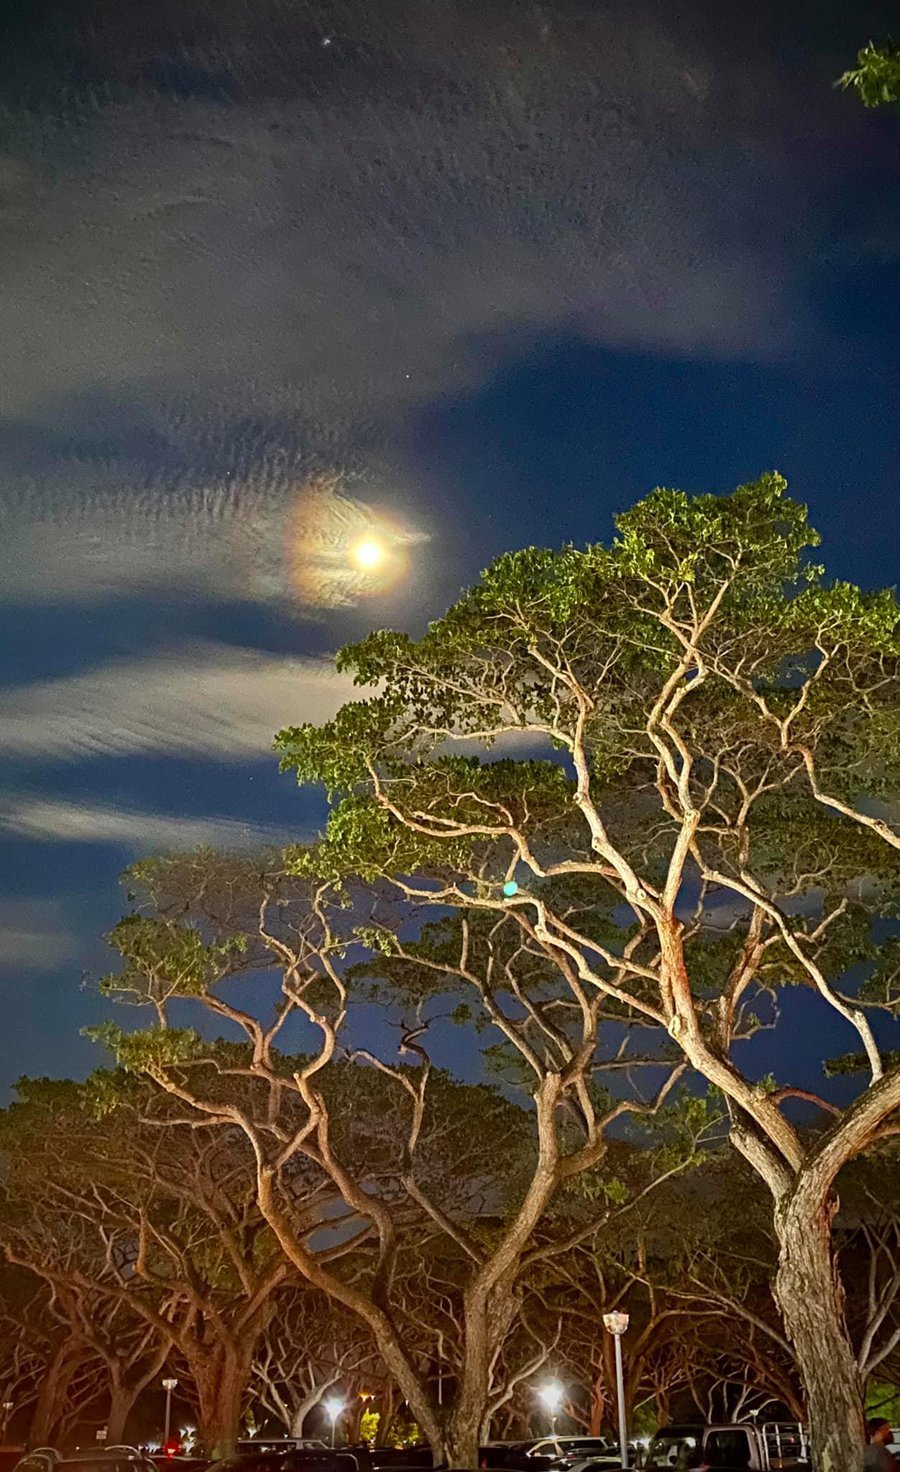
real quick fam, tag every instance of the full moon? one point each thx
(368, 554)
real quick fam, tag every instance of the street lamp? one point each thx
(551, 1395)
(616, 1325)
(8, 1408)
(333, 1410)
(169, 1385)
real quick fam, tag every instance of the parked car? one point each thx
(389, 1458)
(496, 1453)
(106, 1459)
(572, 1448)
(735, 1447)
(164, 1463)
(95, 1459)
(40, 1459)
(279, 1444)
(518, 1456)
(294, 1459)
(604, 1463)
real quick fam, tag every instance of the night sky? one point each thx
(480, 271)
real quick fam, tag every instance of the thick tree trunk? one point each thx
(488, 1317)
(221, 1419)
(50, 1401)
(462, 1434)
(122, 1397)
(221, 1380)
(299, 1417)
(811, 1298)
(128, 1379)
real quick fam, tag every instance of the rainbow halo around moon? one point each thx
(340, 550)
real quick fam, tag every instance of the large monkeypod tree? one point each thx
(407, 1196)
(706, 846)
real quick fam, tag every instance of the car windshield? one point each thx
(672, 1451)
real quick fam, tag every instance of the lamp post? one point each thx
(8, 1408)
(551, 1395)
(333, 1409)
(169, 1385)
(616, 1325)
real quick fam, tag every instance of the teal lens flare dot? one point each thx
(510, 888)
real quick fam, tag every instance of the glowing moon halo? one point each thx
(339, 550)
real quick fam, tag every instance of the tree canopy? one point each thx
(620, 811)
(703, 821)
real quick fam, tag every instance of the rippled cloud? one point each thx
(54, 820)
(205, 699)
(64, 541)
(237, 263)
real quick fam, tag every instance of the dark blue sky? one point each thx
(495, 269)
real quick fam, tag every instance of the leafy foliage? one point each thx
(876, 76)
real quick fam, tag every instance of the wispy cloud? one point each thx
(258, 272)
(33, 934)
(57, 821)
(202, 698)
(92, 530)
(339, 252)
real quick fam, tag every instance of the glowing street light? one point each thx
(616, 1324)
(169, 1385)
(334, 1409)
(551, 1395)
(8, 1408)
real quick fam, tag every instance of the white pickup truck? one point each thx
(741, 1446)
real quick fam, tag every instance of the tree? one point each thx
(721, 733)
(27, 1333)
(148, 1237)
(711, 1265)
(399, 1150)
(131, 1351)
(310, 1346)
(44, 1358)
(876, 76)
(692, 1268)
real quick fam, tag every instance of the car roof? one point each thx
(106, 1454)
